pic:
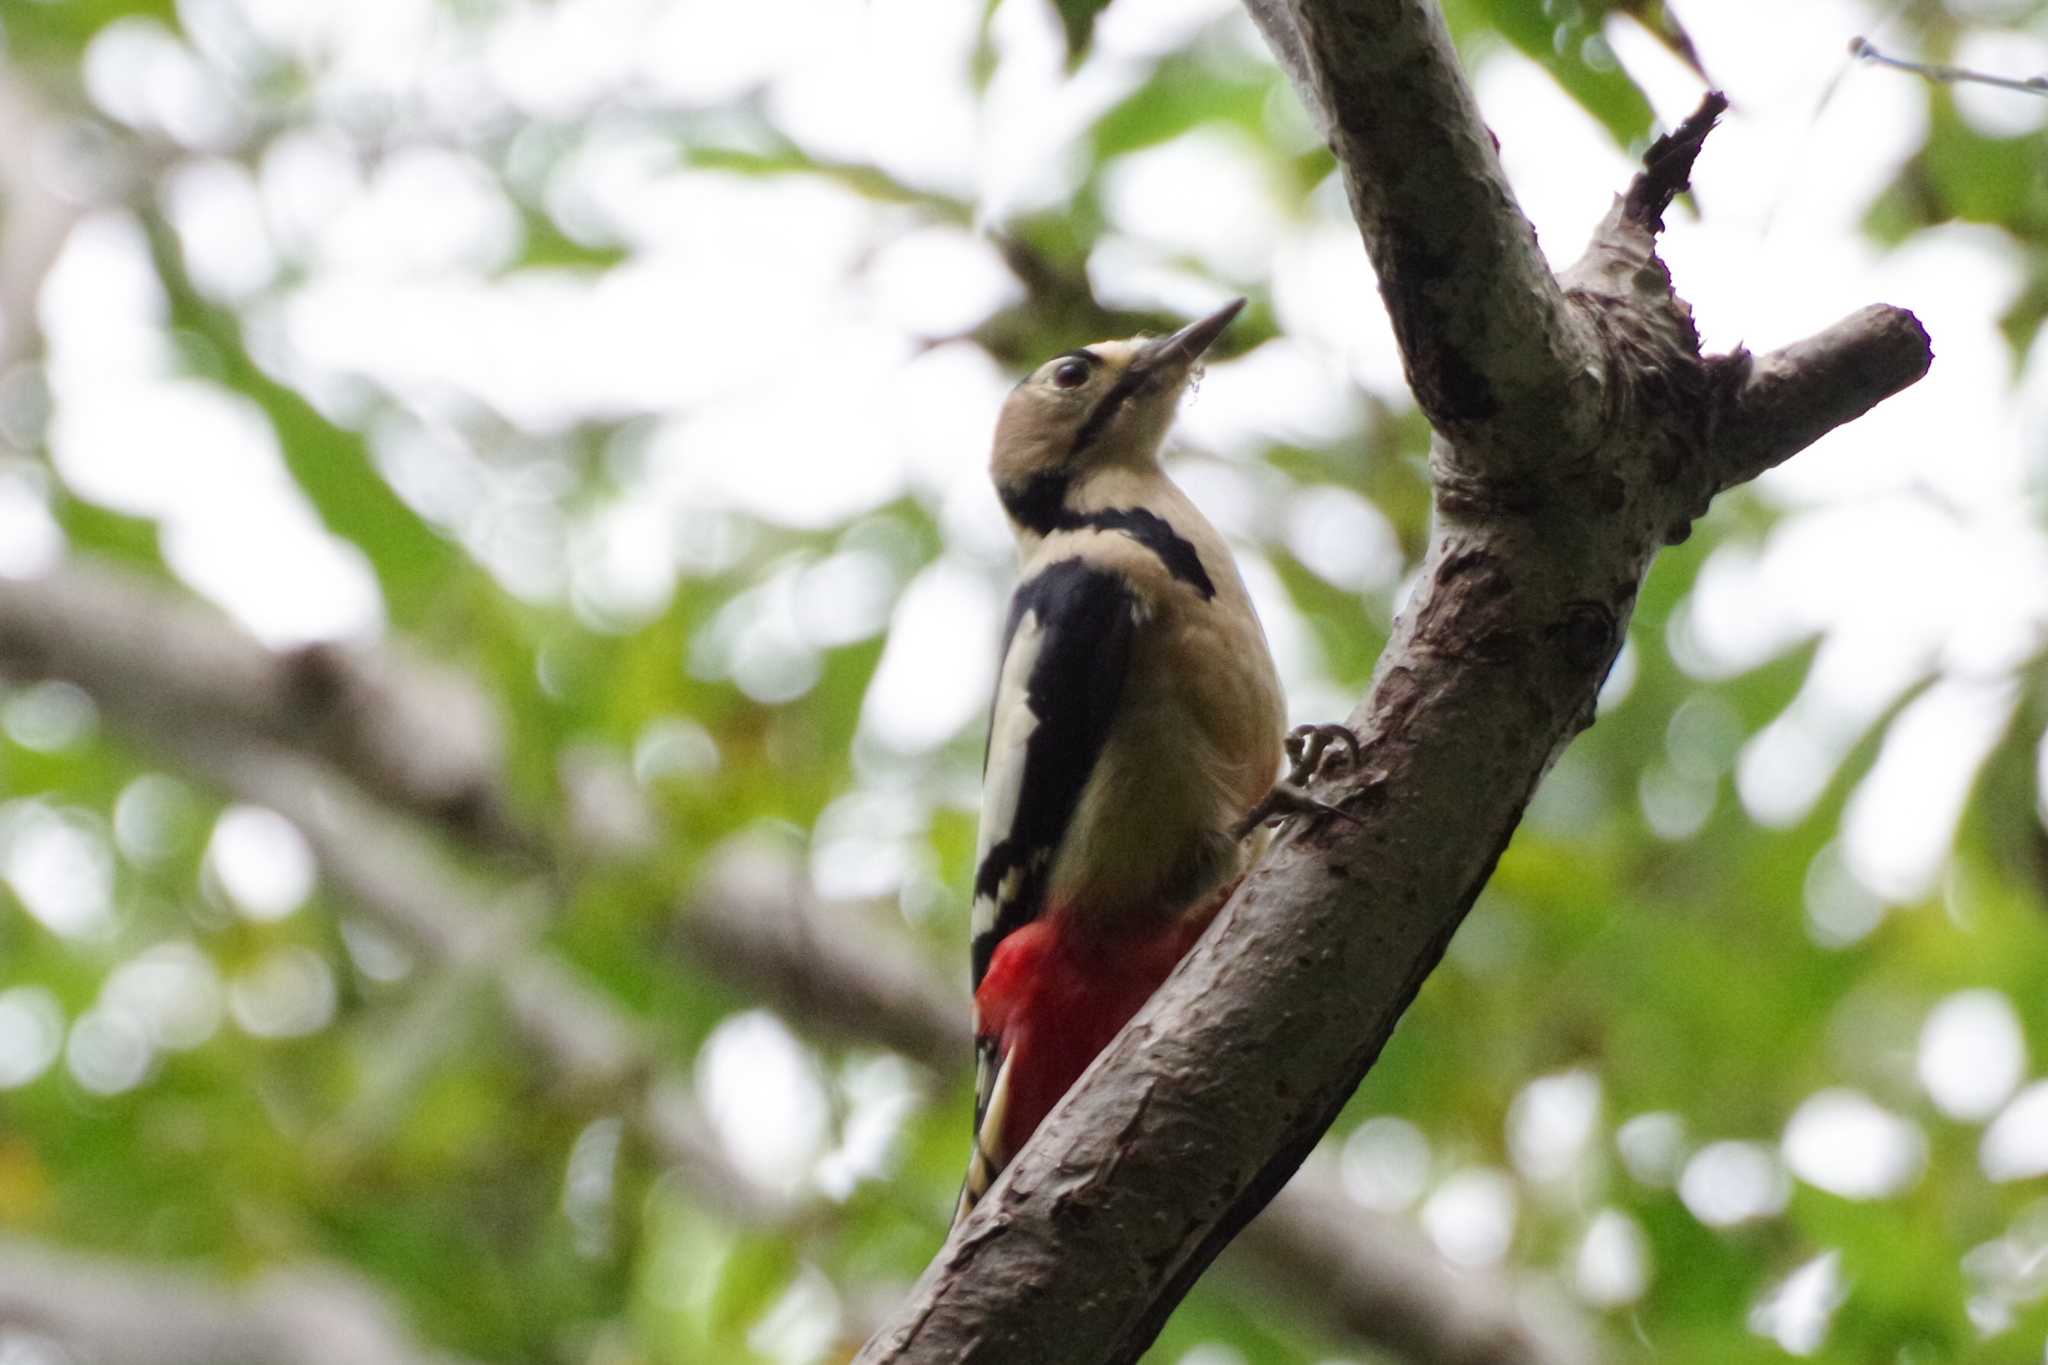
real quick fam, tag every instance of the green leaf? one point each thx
(106, 533)
(1984, 179)
(1183, 92)
(39, 32)
(548, 247)
(1578, 58)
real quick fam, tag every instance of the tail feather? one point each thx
(1053, 997)
(992, 1102)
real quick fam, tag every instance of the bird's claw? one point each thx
(1307, 745)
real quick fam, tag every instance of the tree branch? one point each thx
(1941, 74)
(1365, 1276)
(181, 679)
(579, 1038)
(1494, 356)
(1667, 166)
(750, 922)
(753, 923)
(1197, 1113)
(1798, 394)
(1371, 1278)
(97, 1309)
(417, 737)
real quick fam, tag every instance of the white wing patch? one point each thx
(987, 1159)
(992, 1121)
(1012, 722)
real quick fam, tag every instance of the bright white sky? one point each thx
(774, 329)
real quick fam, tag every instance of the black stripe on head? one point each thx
(1135, 378)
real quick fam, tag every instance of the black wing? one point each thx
(1066, 650)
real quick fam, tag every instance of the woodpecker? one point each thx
(1135, 735)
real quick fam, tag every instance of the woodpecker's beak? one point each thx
(1175, 355)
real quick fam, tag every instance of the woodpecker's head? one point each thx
(1106, 404)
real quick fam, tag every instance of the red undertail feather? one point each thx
(1054, 995)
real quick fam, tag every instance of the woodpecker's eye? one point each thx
(1071, 374)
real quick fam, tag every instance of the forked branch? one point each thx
(1578, 430)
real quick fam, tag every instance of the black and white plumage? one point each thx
(1066, 650)
(1137, 719)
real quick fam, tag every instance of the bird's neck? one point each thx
(1048, 502)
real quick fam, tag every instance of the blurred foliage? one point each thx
(1077, 22)
(1566, 41)
(1645, 935)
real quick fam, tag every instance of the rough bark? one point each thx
(1496, 358)
(1578, 430)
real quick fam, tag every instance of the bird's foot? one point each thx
(1307, 747)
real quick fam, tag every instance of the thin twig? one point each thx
(1667, 166)
(1864, 50)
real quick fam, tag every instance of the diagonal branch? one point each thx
(1371, 1278)
(1374, 1280)
(1492, 352)
(1200, 1110)
(751, 923)
(580, 1040)
(417, 737)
